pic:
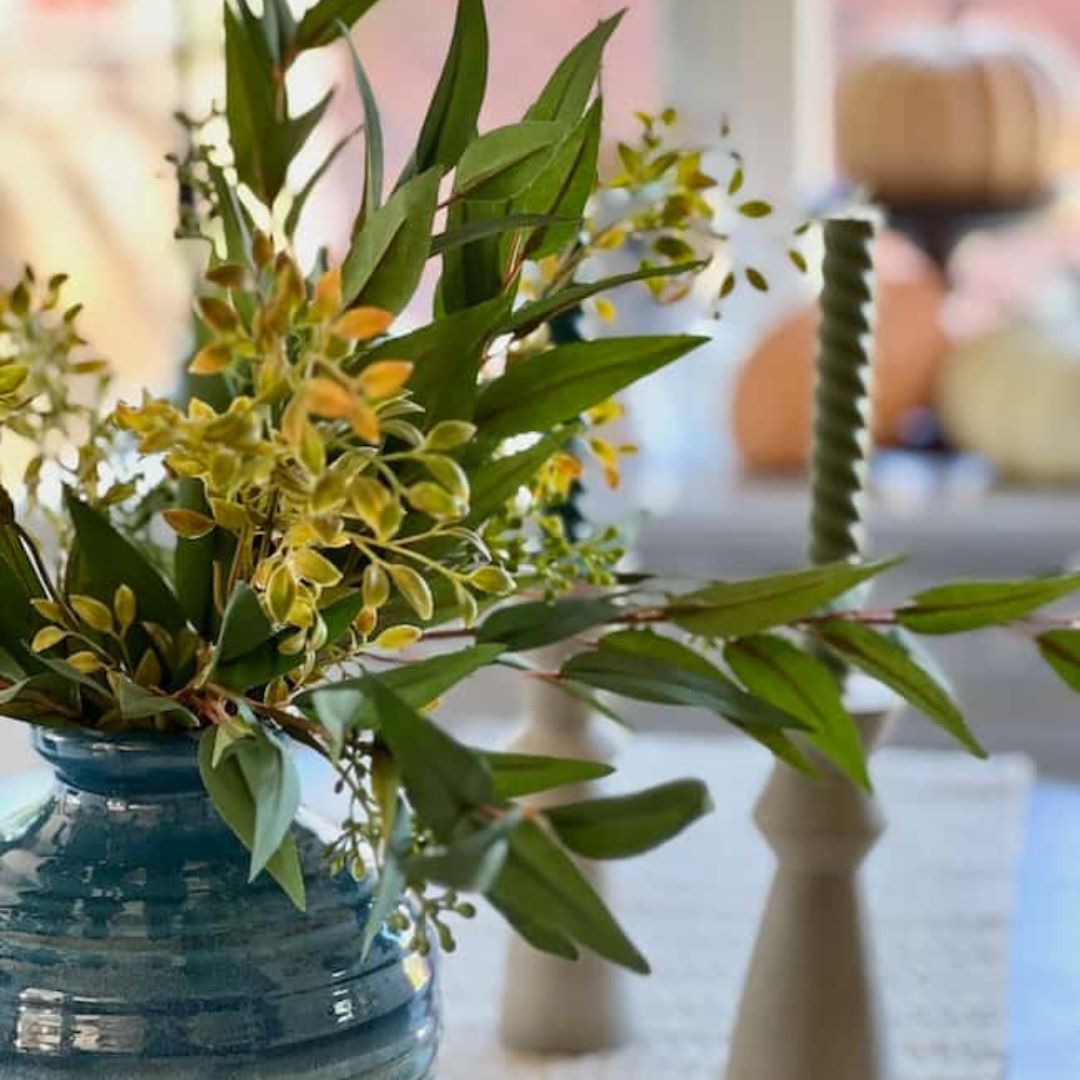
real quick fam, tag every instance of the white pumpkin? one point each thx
(1014, 397)
(958, 113)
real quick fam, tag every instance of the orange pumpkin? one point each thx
(773, 400)
(956, 113)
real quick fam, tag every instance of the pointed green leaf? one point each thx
(532, 625)
(244, 626)
(663, 682)
(391, 880)
(495, 482)
(1061, 650)
(570, 87)
(443, 778)
(384, 266)
(137, 703)
(888, 661)
(538, 877)
(270, 773)
(737, 608)
(536, 933)
(300, 199)
(516, 775)
(451, 119)
(629, 825)
(343, 706)
(777, 671)
(560, 384)
(374, 166)
(528, 317)
(233, 800)
(973, 605)
(319, 25)
(470, 863)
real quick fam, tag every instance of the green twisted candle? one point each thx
(841, 397)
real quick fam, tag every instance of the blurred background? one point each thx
(961, 119)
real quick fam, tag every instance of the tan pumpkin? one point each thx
(1014, 397)
(956, 113)
(773, 400)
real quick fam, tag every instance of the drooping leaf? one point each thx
(538, 934)
(972, 605)
(270, 773)
(319, 25)
(343, 706)
(137, 703)
(516, 775)
(234, 801)
(550, 387)
(888, 661)
(470, 863)
(529, 316)
(568, 90)
(532, 625)
(540, 879)
(779, 672)
(1061, 650)
(386, 261)
(450, 124)
(374, 166)
(629, 825)
(738, 608)
(663, 682)
(443, 778)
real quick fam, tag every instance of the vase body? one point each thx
(550, 1005)
(132, 946)
(811, 1003)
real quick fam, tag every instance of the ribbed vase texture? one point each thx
(132, 946)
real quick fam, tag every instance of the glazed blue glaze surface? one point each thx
(132, 946)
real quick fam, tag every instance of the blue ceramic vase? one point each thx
(133, 948)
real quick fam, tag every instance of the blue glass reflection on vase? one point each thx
(133, 947)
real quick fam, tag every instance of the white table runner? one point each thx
(941, 889)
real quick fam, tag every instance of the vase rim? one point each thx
(121, 763)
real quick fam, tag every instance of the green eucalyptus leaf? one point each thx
(528, 317)
(973, 605)
(532, 625)
(450, 124)
(538, 934)
(890, 662)
(137, 703)
(270, 773)
(539, 878)
(496, 481)
(347, 705)
(485, 228)
(18, 620)
(564, 186)
(629, 825)
(1061, 650)
(560, 384)
(737, 608)
(776, 671)
(664, 682)
(568, 90)
(648, 643)
(516, 775)
(470, 863)
(374, 164)
(384, 265)
(235, 803)
(443, 779)
(244, 626)
(319, 25)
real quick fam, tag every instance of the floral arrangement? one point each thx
(337, 491)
